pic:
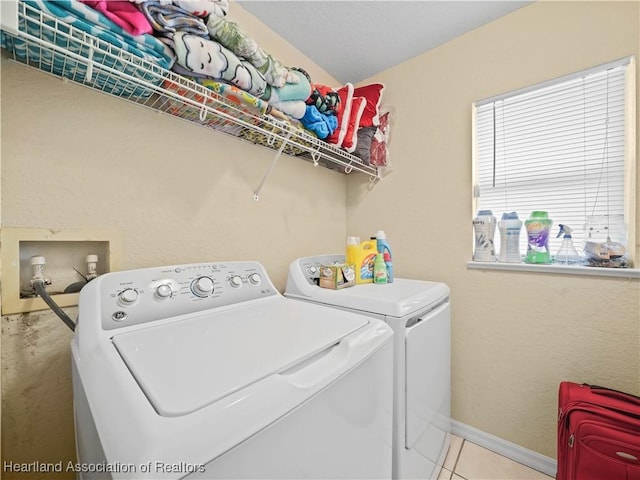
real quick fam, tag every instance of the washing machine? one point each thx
(206, 371)
(420, 315)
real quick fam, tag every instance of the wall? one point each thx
(515, 335)
(176, 193)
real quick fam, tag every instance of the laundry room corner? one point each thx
(515, 335)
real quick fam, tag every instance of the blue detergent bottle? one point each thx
(383, 247)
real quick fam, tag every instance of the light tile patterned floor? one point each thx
(468, 461)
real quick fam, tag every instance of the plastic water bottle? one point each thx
(509, 227)
(484, 226)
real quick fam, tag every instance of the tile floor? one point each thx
(468, 461)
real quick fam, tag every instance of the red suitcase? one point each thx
(598, 433)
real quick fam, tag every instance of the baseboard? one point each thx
(519, 454)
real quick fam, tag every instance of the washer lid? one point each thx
(397, 299)
(187, 364)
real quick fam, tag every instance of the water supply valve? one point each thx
(37, 263)
(92, 262)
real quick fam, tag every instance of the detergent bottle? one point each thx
(389, 264)
(509, 227)
(538, 226)
(484, 226)
(365, 257)
(383, 248)
(379, 270)
(353, 247)
(567, 253)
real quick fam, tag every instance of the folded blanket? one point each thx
(206, 57)
(290, 92)
(295, 108)
(166, 20)
(86, 19)
(204, 8)
(236, 96)
(123, 14)
(235, 39)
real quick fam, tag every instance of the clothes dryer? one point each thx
(419, 313)
(206, 371)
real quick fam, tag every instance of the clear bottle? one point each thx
(379, 270)
(567, 253)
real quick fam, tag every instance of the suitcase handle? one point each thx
(617, 394)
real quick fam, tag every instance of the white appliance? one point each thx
(206, 371)
(419, 314)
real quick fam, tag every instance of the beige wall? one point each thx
(515, 335)
(75, 159)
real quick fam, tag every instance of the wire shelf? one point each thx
(48, 44)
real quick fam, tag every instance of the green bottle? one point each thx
(538, 226)
(379, 270)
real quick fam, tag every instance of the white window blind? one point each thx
(559, 147)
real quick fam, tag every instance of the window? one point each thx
(565, 147)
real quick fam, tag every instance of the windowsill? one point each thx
(557, 269)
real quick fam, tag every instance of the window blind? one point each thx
(559, 147)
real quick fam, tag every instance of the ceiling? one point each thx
(353, 40)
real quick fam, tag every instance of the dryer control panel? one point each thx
(150, 294)
(309, 267)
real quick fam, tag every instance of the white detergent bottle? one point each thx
(484, 226)
(509, 227)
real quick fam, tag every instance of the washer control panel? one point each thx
(150, 294)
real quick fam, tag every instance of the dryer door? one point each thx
(428, 384)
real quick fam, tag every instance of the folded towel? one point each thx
(319, 123)
(123, 14)
(166, 20)
(86, 19)
(294, 108)
(204, 8)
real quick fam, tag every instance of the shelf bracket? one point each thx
(256, 193)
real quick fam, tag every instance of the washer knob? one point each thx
(128, 296)
(235, 281)
(163, 291)
(312, 270)
(202, 286)
(255, 279)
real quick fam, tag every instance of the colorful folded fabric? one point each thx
(204, 8)
(206, 57)
(106, 34)
(294, 108)
(124, 14)
(169, 19)
(235, 39)
(319, 123)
